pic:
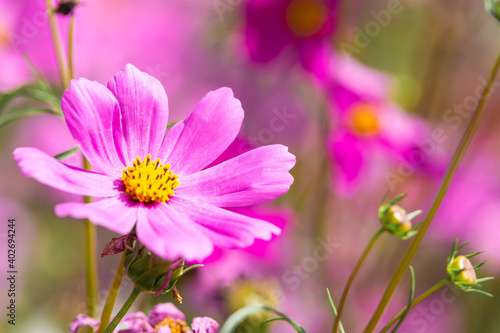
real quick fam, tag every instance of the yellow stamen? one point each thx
(148, 181)
(306, 17)
(175, 325)
(364, 120)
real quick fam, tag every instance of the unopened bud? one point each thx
(467, 273)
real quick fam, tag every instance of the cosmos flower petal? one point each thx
(171, 139)
(254, 177)
(93, 117)
(170, 234)
(83, 320)
(117, 213)
(49, 171)
(160, 311)
(225, 228)
(204, 325)
(144, 111)
(206, 133)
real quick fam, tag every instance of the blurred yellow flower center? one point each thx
(468, 275)
(306, 17)
(364, 119)
(148, 181)
(4, 36)
(175, 325)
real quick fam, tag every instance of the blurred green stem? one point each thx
(90, 258)
(71, 69)
(455, 162)
(54, 30)
(361, 259)
(113, 293)
(123, 311)
(415, 302)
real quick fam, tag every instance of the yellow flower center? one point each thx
(468, 275)
(175, 325)
(306, 17)
(364, 119)
(148, 181)
(4, 36)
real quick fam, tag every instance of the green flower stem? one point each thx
(349, 282)
(123, 311)
(113, 293)
(455, 162)
(91, 276)
(71, 68)
(415, 302)
(57, 44)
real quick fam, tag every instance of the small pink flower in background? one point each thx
(368, 125)
(175, 203)
(163, 318)
(273, 26)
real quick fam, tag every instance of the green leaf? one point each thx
(23, 113)
(334, 309)
(174, 281)
(64, 155)
(36, 91)
(410, 301)
(493, 7)
(412, 215)
(239, 316)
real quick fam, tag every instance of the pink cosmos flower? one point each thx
(274, 25)
(368, 125)
(158, 182)
(163, 318)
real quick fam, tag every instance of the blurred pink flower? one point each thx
(273, 26)
(116, 125)
(367, 125)
(163, 318)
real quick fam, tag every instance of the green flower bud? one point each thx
(462, 270)
(395, 219)
(147, 270)
(462, 273)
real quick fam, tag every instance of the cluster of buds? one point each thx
(395, 219)
(461, 271)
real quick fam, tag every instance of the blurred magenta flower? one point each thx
(367, 124)
(13, 66)
(163, 318)
(182, 215)
(272, 26)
